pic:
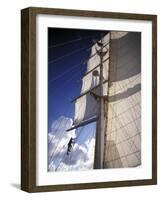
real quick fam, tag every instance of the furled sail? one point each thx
(123, 137)
(86, 106)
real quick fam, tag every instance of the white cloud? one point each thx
(82, 154)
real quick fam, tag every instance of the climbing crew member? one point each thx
(70, 145)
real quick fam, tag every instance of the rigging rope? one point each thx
(75, 51)
(65, 151)
(130, 142)
(65, 72)
(93, 131)
(71, 53)
(51, 158)
(70, 42)
(72, 78)
(60, 123)
(54, 151)
(73, 67)
(78, 136)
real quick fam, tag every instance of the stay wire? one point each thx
(65, 153)
(69, 42)
(71, 53)
(70, 69)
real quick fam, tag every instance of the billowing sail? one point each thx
(86, 105)
(123, 129)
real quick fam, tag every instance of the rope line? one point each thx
(55, 149)
(131, 143)
(69, 42)
(65, 72)
(71, 53)
(70, 155)
(75, 51)
(62, 160)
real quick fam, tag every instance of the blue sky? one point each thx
(67, 51)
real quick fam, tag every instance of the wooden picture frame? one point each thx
(28, 98)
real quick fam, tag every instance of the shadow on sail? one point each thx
(125, 94)
(107, 118)
(123, 128)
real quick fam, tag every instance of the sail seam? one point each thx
(125, 140)
(126, 155)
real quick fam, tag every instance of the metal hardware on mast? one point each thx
(99, 147)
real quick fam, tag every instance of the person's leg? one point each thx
(69, 148)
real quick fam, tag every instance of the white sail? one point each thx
(120, 137)
(86, 106)
(123, 129)
(89, 81)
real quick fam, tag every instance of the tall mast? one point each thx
(95, 101)
(99, 147)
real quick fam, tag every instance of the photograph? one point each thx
(94, 99)
(89, 99)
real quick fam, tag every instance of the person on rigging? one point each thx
(70, 145)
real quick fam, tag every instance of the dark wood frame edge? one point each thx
(28, 99)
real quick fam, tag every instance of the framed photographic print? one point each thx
(89, 99)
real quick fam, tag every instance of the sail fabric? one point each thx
(87, 106)
(89, 81)
(123, 126)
